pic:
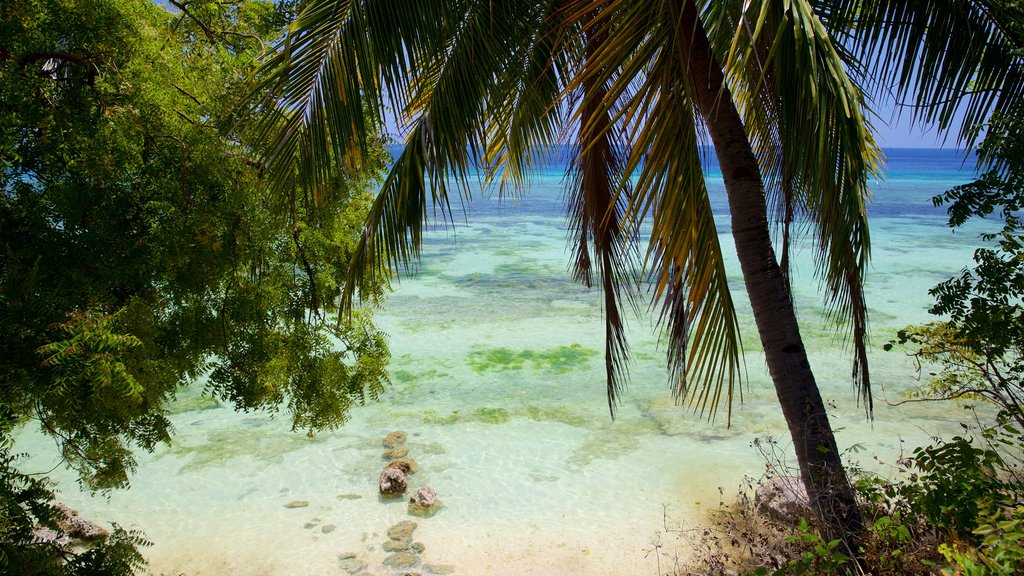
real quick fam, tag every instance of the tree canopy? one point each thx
(139, 250)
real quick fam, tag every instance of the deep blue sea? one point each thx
(498, 380)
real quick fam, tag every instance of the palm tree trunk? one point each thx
(831, 494)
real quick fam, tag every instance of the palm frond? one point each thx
(648, 93)
(821, 147)
(939, 57)
(597, 195)
(525, 118)
(447, 100)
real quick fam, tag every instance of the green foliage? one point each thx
(978, 347)
(818, 557)
(1000, 552)
(140, 250)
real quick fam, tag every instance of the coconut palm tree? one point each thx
(636, 87)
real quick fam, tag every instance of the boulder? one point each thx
(425, 496)
(49, 536)
(424, 502)
(395, 438)
(406, 465)
(77, 527)
(784, 499)
(393, 482)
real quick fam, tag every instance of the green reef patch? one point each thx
(556, 414)
(489, 415)
(483, 414)
(411, 376)
(492, 415)
(560, 360)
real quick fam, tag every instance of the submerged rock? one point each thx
(328, 528)
(352, 565)
(439, 569)
(395, 546)
(418, 547)
(784, 499)
(297, 504)
(395, 438)
(393, 482)
(401, 560)
(396, 452)
(349, 496)
(402, 531)
(406, 465)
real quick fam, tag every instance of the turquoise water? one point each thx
(498, 380)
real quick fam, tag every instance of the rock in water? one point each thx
(77, 527)
(424, 502)
(406, 465)
(393, 482)
(396, 452)
(784, 499)
(395, 546)
(297, 504)
(395, 438)
(401, 560)
(402, 531)
(425, 496)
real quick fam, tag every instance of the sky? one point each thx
(892, 130)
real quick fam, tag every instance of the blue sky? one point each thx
(896, 131)
(892, 130)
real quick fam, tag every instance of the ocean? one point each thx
(499, 383)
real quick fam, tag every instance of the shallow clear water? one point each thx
(498, 379)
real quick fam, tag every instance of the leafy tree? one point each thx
(138, 250)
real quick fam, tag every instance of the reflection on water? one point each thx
(499, 382)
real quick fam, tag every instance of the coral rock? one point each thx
(395, 438)
(401, 560)
(424, 502)
(402, 531)
(425, 496)
(395, 546)
(77, 527)
(297, 504)
(393, 482)
(396, 452)
(406, 465)
(784, 499)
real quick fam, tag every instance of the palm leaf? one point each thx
(822, 151)
(941, 58)
(648, 94)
